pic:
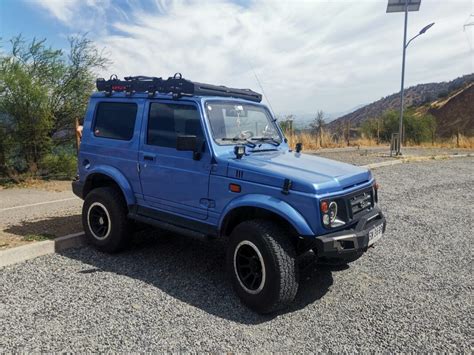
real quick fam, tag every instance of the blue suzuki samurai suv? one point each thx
(206, 160)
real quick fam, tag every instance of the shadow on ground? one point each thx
(192, 271)
(48, 227)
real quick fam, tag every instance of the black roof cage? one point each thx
(176, 85)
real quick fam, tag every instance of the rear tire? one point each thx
(104, 218)
(262, 265)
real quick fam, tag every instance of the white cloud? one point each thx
(309, 55)
(63, 10)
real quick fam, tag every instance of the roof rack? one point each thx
(176, 85)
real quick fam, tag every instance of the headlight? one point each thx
(330, 213)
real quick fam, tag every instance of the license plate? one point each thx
(375, 234)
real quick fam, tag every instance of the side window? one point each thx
(115, 120)
(167, 121)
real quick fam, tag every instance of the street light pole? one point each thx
(400, 127)
(404, 6)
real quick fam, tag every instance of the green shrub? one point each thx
(418, 128)
(62, 165)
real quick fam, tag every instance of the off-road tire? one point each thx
(118, 233)
(279, 287)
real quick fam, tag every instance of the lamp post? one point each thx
(404, 6)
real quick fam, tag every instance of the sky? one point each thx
(307, 55)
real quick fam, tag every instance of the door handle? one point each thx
(149, 157)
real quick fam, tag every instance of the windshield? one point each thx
(233, 122)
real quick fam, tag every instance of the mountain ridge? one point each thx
(417, 95)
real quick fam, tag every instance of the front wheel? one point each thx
(262, 264)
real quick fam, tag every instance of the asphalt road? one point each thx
(33, 211)
(25, 204)
(412, 292)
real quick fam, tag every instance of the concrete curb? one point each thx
(30, 251)
(415, 159)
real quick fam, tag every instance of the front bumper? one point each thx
(349, 244)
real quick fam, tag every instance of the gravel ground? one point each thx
(370, 155)
(412, 292)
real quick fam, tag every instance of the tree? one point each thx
(42, 91)
(417, 127)
(317, 126)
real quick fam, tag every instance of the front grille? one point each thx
(361, 202)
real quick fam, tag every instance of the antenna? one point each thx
(261, 88)
(258, 80)
(468, 23)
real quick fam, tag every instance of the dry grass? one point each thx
(464, 142)
(37, 183)
(313, 142)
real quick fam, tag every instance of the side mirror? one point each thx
(190, 144)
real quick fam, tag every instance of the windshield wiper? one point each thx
(236, 139)
(270, 140)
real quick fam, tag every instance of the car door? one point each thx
(174, 181)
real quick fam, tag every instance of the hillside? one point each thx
(418, 95)
(455, 113)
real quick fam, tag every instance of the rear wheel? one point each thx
(104, 218)
(262, 264)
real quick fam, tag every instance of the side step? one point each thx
(166, 226)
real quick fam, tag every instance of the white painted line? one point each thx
(38, 204)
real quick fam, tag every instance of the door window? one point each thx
(167, 121)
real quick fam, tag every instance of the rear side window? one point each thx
(115, 120)
(167, 121)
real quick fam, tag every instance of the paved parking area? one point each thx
(31, 213)
(412, 292)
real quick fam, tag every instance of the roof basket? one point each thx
(176, 85)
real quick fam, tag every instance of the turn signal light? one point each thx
(324, 206)
(234, 188)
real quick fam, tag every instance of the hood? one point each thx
(308, 173)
